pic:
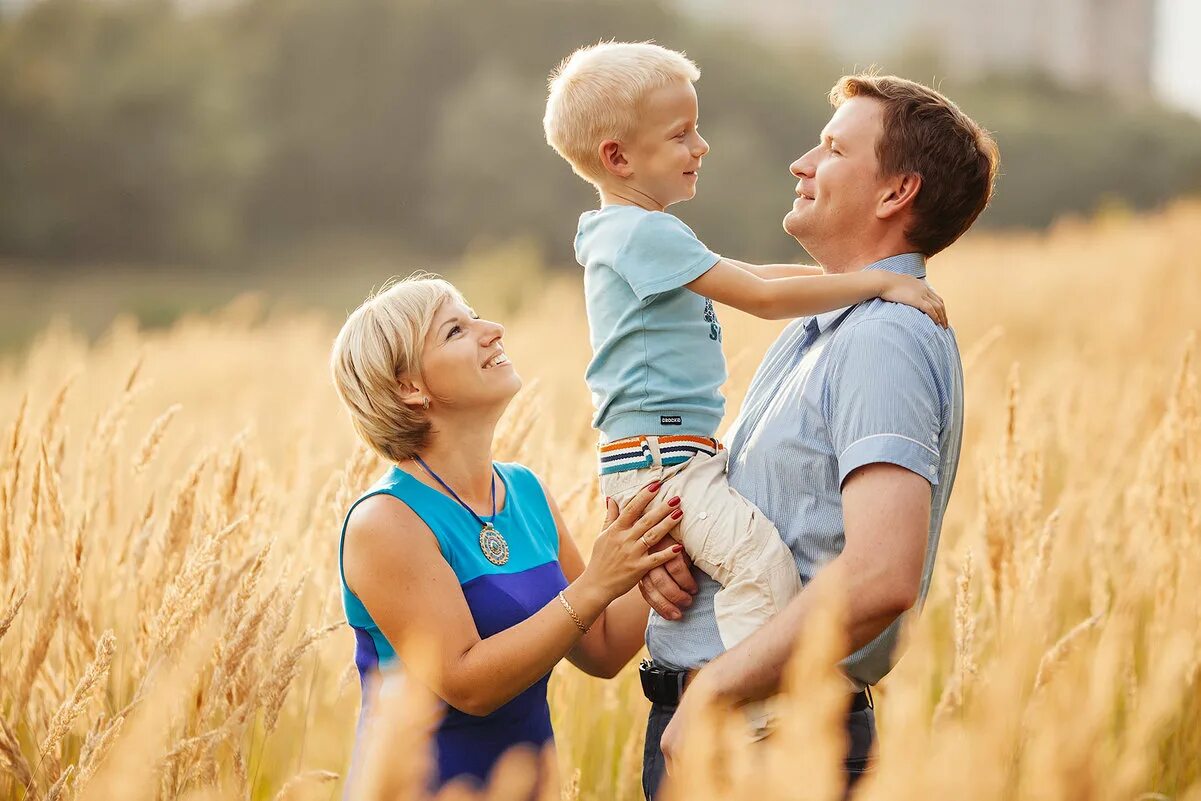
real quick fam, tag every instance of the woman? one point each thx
(473, 555)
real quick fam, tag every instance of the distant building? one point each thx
(1080, 43)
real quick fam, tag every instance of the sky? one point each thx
(1178, 56)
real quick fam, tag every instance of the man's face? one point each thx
(665, 152)
(839, 187)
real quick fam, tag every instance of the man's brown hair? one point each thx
(925, 133)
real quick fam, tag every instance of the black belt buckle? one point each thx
(660, 685)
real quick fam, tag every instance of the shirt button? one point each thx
(704, 515)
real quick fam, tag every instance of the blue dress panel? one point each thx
(498, 596)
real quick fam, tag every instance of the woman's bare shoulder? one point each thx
(384, 528)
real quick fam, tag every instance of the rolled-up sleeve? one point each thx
(882, 402)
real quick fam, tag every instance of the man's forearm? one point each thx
(754, 668)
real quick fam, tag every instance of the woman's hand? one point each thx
(622, 553)
(913, 292)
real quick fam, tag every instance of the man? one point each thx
(850, 432)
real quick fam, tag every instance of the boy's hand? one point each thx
(913, 292)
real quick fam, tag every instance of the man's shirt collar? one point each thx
(913, 264)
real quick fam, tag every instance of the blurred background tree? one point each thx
(218, 137)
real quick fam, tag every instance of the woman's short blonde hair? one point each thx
(595, 95)
(379, 344)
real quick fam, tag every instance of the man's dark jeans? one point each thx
(861, 733)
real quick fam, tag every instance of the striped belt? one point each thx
(633, 453)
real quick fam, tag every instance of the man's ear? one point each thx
(900, 195)
(613, 159)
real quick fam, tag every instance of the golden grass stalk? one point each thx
(129, 768)
(293, 786)
(6, 620)
(182, 517)
(981, 347)
(43, 633)
(183, 601)
(56, 790)
(28, 549)
(95, 748)
(1062, 649)
(149, 446)
(12, 759)
(50, 426)
(12, 443)
(284, 671)
(75, 705)
(965, 642)
(10, 474)
(52, 486)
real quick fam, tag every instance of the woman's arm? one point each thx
(393, 564)
(618, 634)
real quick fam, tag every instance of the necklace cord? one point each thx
(454, 495)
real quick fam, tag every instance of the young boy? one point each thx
(624, 116)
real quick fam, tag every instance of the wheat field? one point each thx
(170, 501)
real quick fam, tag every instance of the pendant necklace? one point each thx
(492, 542)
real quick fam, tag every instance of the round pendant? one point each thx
(493, 544)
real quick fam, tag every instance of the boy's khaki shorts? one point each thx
(724, 534)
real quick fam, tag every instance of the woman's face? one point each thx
(463, 360)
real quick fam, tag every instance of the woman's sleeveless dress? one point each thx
(498, 596)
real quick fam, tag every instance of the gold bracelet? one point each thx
(574, 617)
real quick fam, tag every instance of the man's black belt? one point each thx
(663, 686)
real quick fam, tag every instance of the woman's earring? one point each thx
(425, 404)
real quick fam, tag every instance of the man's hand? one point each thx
(699, 691)
(669, 589)
(671, 742)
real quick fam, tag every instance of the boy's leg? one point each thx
(623, 486)
(724, 534)
(759, 586)
(730, 539)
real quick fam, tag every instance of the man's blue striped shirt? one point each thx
(875, 382)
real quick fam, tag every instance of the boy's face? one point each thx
(664, 152)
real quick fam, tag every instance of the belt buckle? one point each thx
(659, 685)
(646, 675)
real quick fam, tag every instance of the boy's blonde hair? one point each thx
(595, 93)
(379, 344)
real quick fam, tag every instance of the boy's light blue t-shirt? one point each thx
(657, 364)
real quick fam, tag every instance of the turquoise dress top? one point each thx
(498, 597)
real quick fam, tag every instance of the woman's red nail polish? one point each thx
(677, 514)
(674, 501)
(653, 486)
(677, 548)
